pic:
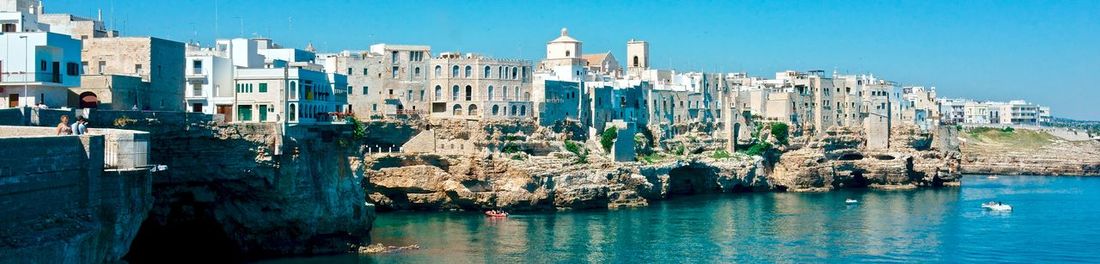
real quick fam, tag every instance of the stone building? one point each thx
(473, 86)
(603, 64)
(77, 27)
(385, 80)
(158, 62)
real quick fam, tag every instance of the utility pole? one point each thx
(27, 70)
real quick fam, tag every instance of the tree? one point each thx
(607, 138)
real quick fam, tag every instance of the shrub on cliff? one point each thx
(607, 138)
(781, 132)
(720, 154)
(577, 149)
(359, 131)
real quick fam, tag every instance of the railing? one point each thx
(123, 149)
(27, 77)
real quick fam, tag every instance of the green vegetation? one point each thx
(510, 148)
(679, 150)
(607, 138)
(577, 149)
(781, 132)
(1010, 138)
(721, 154)
(1008, 129)
(518, 157)
(651, 158)
(359, 129)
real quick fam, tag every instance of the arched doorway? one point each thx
(88, 100)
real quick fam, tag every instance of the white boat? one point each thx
(851, 201)
(992, 177)
(996, 206)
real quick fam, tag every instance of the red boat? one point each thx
(494, 214)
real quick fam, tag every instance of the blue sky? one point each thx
(1046, 52)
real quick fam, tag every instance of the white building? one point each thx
(36, 66)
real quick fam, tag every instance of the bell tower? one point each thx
(637, 57)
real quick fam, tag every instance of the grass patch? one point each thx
(1008, 137)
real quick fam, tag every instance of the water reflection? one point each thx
(938, 225)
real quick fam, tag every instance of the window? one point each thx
(393, 57)
(438, 92)
(469, 93)
(365, 89)
(293, 90)
(44, 65)
(504, 92)
(490, 92)
(395, 72)
(72, 69)
(421, 96)
(524, 70)
(196, 67)
(137, 68)
(102, 67)
(438, 71)
(517, 93)
(488, 71)
(454, 71)
(292, 114)
(349, 71)
(454, 93)
(263, 87)
(416, 72)
(469, 71)
(364, 72)
(514, 73)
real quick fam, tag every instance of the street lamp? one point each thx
(26, 70)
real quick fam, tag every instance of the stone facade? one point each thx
(157, 61)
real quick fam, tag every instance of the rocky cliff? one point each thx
(563, 180)
(1027, 152)
(242, 192)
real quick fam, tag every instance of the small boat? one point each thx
(495, 214)
(992, 177)
(996, 206)
(851, 201)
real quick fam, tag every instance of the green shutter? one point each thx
(263, 87)
(263, 108)
(244, 113)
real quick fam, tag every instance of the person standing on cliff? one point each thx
(63, 128)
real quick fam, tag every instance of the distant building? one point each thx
(385, 80)
(1015, 112)
(158, 63)
(36, 66)
(473, 86)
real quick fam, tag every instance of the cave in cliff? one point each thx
(688, 180)
(192, 235)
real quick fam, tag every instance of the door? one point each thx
(263, 113)
(57, 72)
(226, 111)
(196, 108)
(13, 100)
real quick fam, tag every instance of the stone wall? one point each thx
(58, 205)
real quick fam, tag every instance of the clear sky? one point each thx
(1047, 52)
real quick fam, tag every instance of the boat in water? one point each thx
(495, 214)
(992, 177)
(851, 201)
(996, 206)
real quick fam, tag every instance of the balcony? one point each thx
(30, 78)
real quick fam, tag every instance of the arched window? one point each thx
(490, 93)
(469, 71)
(292, 112)
(635, 61)
(524, 70)
(454, 93)
(472, 111)
(513, 110)
(438, 93)
(500, 72)
(567, 53)
(523, 110)
(488, 71)
(454, 71)
(438, 71)
(469, 93)
(456, 110)
(421, 95)
(517, 93)
(515, 73)
(504, 93)
(496, 110)
(293, 90)
(416, 72)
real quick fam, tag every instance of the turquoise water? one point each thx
(1055, 219)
